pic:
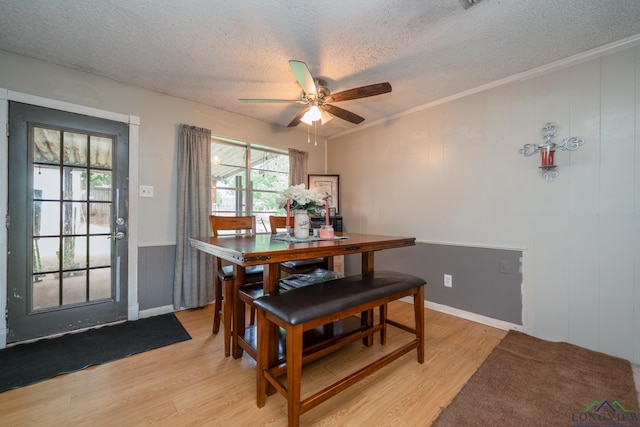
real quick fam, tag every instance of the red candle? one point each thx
(327, 210)
(547, 157)
(288, 213)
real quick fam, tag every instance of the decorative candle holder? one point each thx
(326, 232)
(548, 150)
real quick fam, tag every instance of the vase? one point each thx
(301, 223)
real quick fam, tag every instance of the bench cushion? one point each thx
(304, 304)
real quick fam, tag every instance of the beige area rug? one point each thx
(526, 381)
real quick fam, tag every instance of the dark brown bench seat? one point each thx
(309, 307)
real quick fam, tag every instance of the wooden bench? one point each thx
(309, 307)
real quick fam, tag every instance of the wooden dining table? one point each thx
(243, 251)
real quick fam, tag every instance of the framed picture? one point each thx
(327, 184)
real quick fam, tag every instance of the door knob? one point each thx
(118, 236)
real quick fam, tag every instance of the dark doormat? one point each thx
(30, 363)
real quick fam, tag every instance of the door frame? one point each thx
(134, 127)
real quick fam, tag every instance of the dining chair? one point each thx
(294, 267)
(221, 226)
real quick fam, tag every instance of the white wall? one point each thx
(160, 116)
(453, 174)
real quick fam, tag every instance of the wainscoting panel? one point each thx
(155, 276)
(485, 281)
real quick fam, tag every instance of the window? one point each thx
(247, 179)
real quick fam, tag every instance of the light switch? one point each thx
(146, 191)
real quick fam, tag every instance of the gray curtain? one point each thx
(193, 280)
(297, 167)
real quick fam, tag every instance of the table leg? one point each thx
(367, 316)
(270, 277)
(328, 263)
(367, 262)
(238, 309)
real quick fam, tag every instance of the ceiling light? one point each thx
(325, 117)
(312, 115)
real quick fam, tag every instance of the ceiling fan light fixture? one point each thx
(312, 115)
(306, 120)
(325, 117)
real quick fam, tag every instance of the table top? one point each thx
(262, 249)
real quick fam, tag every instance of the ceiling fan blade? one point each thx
(296, 121)
(343, 114)
(361, 92)
(281, 101)
(303, 76)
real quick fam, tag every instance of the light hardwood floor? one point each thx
(193, 384)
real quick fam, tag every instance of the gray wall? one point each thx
(155, 276)
(480, 285)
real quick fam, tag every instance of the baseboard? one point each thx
(478, 318)
(156, 311)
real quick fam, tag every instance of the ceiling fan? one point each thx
(318, 99)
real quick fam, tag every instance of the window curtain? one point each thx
(193, 280)
(297, 166)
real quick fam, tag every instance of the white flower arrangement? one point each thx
(301, 198)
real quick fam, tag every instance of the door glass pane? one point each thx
(50, 211)
(74, 215)
(100, 185)
(74, 288)
(75, 149)
(74, 252)
(100, 283)
(46, 182)
(100, 218)
(100, 249)
(101, 148)
(46, 145)
(45, 254)
(46, 292)
(74, 185)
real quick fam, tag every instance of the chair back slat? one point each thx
(246, 224)
(276, 222)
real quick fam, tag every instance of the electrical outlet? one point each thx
(146, 191)
(448, 281)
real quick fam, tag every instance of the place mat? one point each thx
(288, 238)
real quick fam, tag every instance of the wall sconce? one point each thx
(548, 150)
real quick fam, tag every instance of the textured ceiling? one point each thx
(214, 52)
